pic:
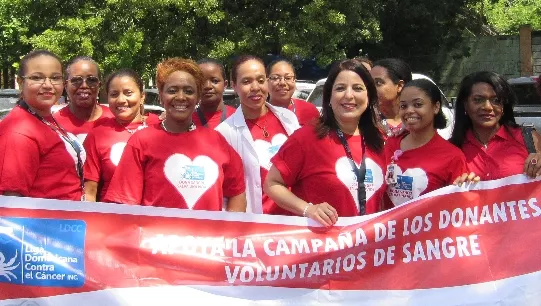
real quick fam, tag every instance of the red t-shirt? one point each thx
(265, 148)
(104, 146)
(503, 156)
(76, 126)
(318, 170)
(434, 165)
(193, 170)
(35, 161)
(213, 119)
(306, 112)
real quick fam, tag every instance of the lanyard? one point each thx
(360, 172)
(65, 136)
(204, 120)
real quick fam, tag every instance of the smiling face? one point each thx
(83, 85)
(125, 99)
(483, 106)
(42, 96)
(281, 82)
(214, 85)
(251, 85)
(417, 110)
(179, 96)
(349, 98)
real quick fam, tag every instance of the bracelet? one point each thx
(306, 209)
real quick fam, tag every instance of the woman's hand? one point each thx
(532, 165)
(466, 178)
(323, 213)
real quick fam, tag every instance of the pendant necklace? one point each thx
(264, 128)
(190, 128)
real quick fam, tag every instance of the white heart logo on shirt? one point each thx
(266, 150)
(191, 178)
(410, 184)
(81, 137)
(71, 150)
(116, 152)
(373, 179)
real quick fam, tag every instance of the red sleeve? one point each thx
(290, 161)
(128, 181)
(234, 183)
(19, 163)
(457, 167)
(92, 167)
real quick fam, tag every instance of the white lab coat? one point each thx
(237, 134)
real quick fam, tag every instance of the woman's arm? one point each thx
(532, 165)
(91, 191)
(276, 189)
(237, 203)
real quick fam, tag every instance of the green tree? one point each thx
(506, 16)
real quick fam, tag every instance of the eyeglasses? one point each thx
(278, 78)
(494, 101)
(91, 81)
(55, 79)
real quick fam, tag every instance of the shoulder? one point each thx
(230, 110)
(106, 112)
(19, 121)
(304, 104)
(64, 112)
(446, 147)
(153, 119)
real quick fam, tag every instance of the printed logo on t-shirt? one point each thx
(373, 179)
(71, 150)
(409, 185)
(266, 150)
(191, 178)
(116, 152)
(81, 137)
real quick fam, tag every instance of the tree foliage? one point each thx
(140, 33)
(506, 16)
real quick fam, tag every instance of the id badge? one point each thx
(390, 175)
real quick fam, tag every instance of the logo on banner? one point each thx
(191, 178)
(409, 184)
(116, 152)
(42, 252)
(373, 179)
(266, 150)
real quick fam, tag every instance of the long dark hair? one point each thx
(367, 123)
(504, 93)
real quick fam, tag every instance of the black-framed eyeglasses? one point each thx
(91, 81)
(40, 79)
(278, 78)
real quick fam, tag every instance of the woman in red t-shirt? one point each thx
(281, 89)
(256, 130)
(486, 131)
(105, 143)
(390, 76)
(337, 165)
(420, 160)
(38, 158)
(82, 86)
(211, 110)
(173, 163)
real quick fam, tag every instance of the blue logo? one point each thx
(273, 150)
(195, 173)
(368, 178)
(42, 252)
(404, 182)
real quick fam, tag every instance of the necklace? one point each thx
(142, 126)
(479, 139)
(190, 128)
(264, 128)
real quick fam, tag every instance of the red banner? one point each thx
(477, 246)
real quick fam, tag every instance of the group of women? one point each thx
(373, 147)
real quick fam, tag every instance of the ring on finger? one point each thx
(533, 161)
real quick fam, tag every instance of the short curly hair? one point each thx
(171, 65)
